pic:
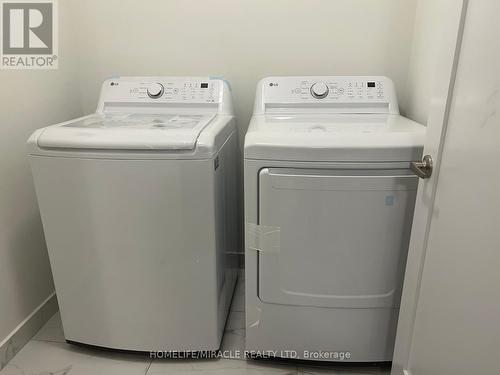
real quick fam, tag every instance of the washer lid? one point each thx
(127, 131)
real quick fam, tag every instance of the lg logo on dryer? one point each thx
(29, 34)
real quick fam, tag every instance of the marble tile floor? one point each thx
(47, 353)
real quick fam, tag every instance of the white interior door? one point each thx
(455, 326)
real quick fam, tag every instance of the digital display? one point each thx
(371, 84)
(204, 85)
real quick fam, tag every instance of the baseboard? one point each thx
(15, 341)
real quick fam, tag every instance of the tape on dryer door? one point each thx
(263, 238)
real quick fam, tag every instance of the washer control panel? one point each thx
(163, 90)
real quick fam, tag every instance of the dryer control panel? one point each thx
(340, 94)
(164, 91)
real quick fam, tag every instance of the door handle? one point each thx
(422, 169)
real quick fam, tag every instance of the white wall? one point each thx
(242, 40)
(425, 52)
(28, 100)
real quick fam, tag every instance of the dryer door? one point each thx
(343, 236)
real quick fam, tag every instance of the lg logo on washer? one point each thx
(29, 34)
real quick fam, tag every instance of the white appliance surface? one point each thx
(139, 209)
(161, 131)
(353, 221)
(329, 202)
(340, 137)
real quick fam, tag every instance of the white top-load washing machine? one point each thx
(139, 208)
(329, 199)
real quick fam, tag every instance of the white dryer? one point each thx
(329, 199)
(139, 208)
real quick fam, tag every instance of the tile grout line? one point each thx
(149, 366)
(48, 340)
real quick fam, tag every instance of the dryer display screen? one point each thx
(371, 84)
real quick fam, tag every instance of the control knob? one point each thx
(319, 90)
(155, 90)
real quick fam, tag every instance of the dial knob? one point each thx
(319, 90)
(155, 90)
